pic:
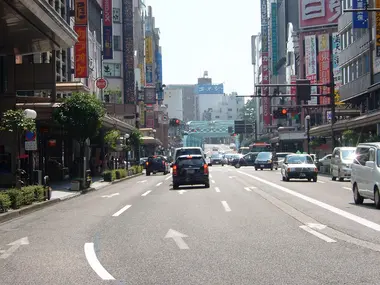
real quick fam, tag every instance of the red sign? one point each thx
(81, 12)
(101, 83)
(316, 13)
(107, 13)
(293, 89)
(265, 90)
(81, 52)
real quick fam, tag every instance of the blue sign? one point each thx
(149, 75)
(107, 42)
(158, 55)
(274, 38)
(359, 19)
(30, 136)
(210, 89)
(264, 26)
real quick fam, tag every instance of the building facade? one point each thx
(173, 100)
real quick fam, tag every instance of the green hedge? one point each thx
(16, 198)
(111, 175)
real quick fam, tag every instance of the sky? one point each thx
(212, 35)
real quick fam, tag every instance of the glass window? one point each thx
(378, 158)
(112, 69)
(348, 154)
(116, 15)
(299, 159)
(362, 155)
(195, 161)
(264, 155)
(117, 42)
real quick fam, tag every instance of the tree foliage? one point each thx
(80, 115)
(15, 121)
(248, 112)
(111, 138)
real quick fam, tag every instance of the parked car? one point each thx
(365, 173)
(156, 164)
(245, 160)
(190, 170)
(341, 160)
(265, 160)
(300, 166)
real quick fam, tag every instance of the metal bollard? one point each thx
(47, 187)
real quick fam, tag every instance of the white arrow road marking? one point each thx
(316, 226)
(247, 189)
(142, 181)
(226, 207)
(217, 189)
(231, 176)
(181, 191)
(317, 234)
(167, 178)
(14, 246)
(178, 238)
(89, 251)
(146, 193)
(344, 214)
(158, 184)
(112, 195)
(122, 210)
(212, 181)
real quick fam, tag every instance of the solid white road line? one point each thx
(122, 210)
(226, 207)
(167, 178)
(347, 188)
(217, 189)
(247, 189)
(146, 193)
(210, 175)
(89, 251)
(158, 184)
(318, 203)
(317, 234)
(212, 181)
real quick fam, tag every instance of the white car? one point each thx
(299, 166)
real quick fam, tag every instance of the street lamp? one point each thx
(307, 129)
(30, 114)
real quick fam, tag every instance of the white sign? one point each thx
(30, 145)
(311, 65)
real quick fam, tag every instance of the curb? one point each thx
(38, 206)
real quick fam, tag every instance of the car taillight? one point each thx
(147, 163)
(174, 169)
(205, 169)
(163, 163)
(315, 169)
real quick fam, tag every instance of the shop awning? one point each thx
(151, 141)
(111, 122)
(71, 87)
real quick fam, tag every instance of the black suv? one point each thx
(266, 160)
(190, 170)
(156, 164)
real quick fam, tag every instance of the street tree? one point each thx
(248, 112)
(111, 138)
(80, 115)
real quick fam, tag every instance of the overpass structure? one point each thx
(196, 132)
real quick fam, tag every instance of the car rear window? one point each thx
(195, 161)
(188, 151)
(155, 159)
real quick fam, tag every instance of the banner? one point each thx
(336, 48)
(128, 53)
(81, 52)
(317, 13)
(377, 29)
(274, 38)
(149, 75)
(150, 95)
(265, 63)
(264, 26)
(107, 30)
(148, 50)
(311, 65)
(293, 89)
(359, 19)
(324, 65)
(160, 94)
(142, 74)
(142, 114)
(210, 89)
(81, 12)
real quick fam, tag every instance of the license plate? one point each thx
(191, 171)
(302, 175)
(262, 165)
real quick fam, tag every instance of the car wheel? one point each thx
(175, 186)
(315, 179)
(261, 169)
(255, 168)
(309, 179)
(377, 198)
(333, 178)
(283, 178)
(358, 199)
(222, 164)
(276, 168)
(148, 174)
(207, 185)
(341, 179)
(237, 165)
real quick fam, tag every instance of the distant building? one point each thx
(173, 99)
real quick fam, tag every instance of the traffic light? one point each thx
(280, 113)
(303, 90)
(175, 122)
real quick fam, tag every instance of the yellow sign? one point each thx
(337, 99)
(142, 74)
(142, 114)
(148, 50)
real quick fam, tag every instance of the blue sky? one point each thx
(212, 35)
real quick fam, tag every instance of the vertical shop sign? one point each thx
(311, 65)
(274, 38)
(81, 52)
(265, 63)
(107, 30)
(324, 65)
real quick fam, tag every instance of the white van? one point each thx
(341, 160)
(365, 174)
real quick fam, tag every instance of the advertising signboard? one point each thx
(160, 94)
(107, 30)
(317, 13)
(377, 29)
(265, 63)
(128, 53)
(81, 12)
(311, 65)
(210, 89)
(359, 19)
(324, 65)
(336, 47)
(81, 52)
(274, 37)
(150, 95)
(142, 114)
(149, 119)
(148, 50)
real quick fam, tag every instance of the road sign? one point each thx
(101, 83)
(30, 141)
(30, 136)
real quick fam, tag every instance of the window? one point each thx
(116, 15)
(230, 109)
(117, 42)
(362, 155)
(112, 69)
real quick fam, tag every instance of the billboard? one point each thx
(81, 12)
(150, 95)
(311, 65)
(128, 53)
(107, 30)
(264, 26)
(265, 63)
(160, 94)
(336, 48)
(148, 50)
(142, 114)
(142, 74)
(149, 75)
(359, 19)
(317, 13)
(81, 52)
(324, 65)
(377, 28)
(210, 89)
(274, 37)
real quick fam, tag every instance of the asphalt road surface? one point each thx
(249, 227)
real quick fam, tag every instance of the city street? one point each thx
(249, 227)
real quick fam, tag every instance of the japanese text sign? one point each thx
(377, 29)
(324, 65)
(264, 92)
(81, 52)
(210, 89)
(311, 65)
(359, 19)
(81, 12)
(316, 13)
(148, 50)
(264, 26)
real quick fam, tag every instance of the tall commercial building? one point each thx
(173, 100)
(189, 101)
